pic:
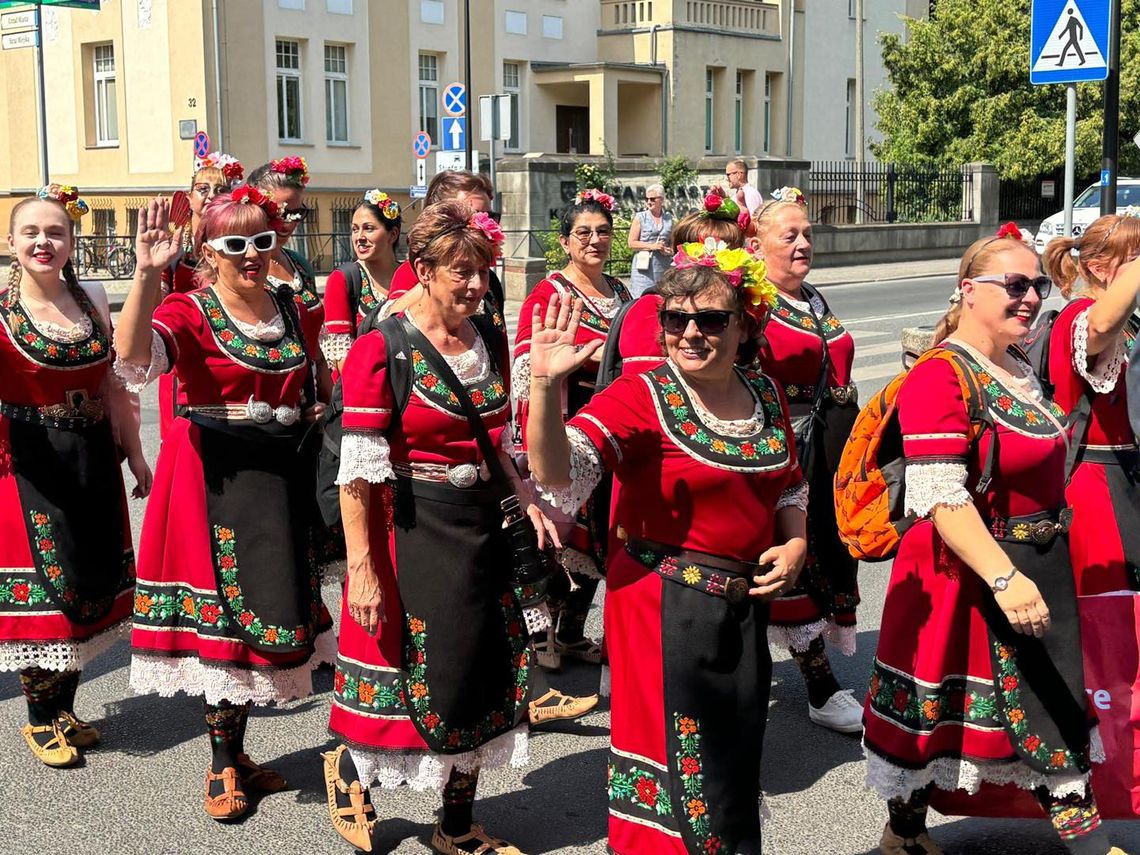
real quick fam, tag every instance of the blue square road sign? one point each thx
(1069, 41)
(454, 134)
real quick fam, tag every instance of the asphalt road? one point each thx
(141, 792)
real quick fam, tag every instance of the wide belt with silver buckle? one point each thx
(84, 412)
(710, 574)
(259, 412)
(1040, 529)
(462, 475)
(838, 394)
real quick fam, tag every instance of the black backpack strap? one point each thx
(610, 362)
(302, 264)
(399, 354)
(354, 280)
(1078, 426)
(978, 412)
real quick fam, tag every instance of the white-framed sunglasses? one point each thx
(238, 244)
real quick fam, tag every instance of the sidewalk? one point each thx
(117, 288)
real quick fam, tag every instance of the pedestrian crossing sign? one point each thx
(1069, 41)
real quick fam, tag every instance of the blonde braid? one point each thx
(15, 274)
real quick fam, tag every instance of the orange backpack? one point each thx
(870, 482)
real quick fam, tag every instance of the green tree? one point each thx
(960, 92)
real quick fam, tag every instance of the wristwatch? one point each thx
(1002, 582)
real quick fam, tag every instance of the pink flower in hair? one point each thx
(484, 223)
(603, 199)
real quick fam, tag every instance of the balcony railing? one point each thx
(736, 17)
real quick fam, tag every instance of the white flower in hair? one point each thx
(713, 245)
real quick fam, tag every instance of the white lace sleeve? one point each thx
(334, 346)
(586, 471)
(931, 484)
(1105, 372)
(520, 378)
(364, 456)
(136, 377)
(794, 497)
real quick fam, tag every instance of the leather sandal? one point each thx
(57, 752)
(448, 845)
(583, 650)
(566, 708)
(231, 803)
(78, 732)
(546, 652)
(893, 844)
(355, 822)
(260, 777)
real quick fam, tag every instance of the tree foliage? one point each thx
(960, 92)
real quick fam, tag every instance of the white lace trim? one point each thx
(364, 455)
(296, 284)
(334, 346)
(1105, 372)
(270, 330)
(165, 676)
(537, 618)
(728, 427)
(586, 471)
(954, 773)
(137, 377)
(58, 332)
(842, 638)
(794, 497)
(60, 655)
(931, 484)
(470, 367)
(796, 638)
(574, 561)
(424, 770)
(520, 377)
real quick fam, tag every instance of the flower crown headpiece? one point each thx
(227, 164)
(743, 270)
(247, 194)
(294, 167)
(592, 195)
(790, 194)
(68, 196)
(389, 207)
(718, 206)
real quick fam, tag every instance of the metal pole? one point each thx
(219, 131)
(1070, 153)
(41, 95)
(860, 157)
(467, 80)
(1111, 113)
(791, 74)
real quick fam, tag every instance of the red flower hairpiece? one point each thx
(247, 194)
(720, 207)
(295, 167)
(592, 195)
(227, 164)
(482, 221)
(1010, 229)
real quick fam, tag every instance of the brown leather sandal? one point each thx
(260, 777)
(567, 707)
(352, 822)
(56, 752)
(583, 650)
(78, 732)
(231, 803)
(546, 653)
(445, 844)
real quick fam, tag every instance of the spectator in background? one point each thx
(650, 237)
(745, 195)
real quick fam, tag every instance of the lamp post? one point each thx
(467, 79)
(1111, 114)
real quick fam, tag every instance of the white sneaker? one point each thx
(842, 713)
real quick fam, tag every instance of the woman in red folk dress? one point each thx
(363, 285)
(978, 678)
(1088, 357)
(587, 228)
(433, 666)
(65, 537)
(228, 603)
(809, 352)
(214, 174)
(712, 514)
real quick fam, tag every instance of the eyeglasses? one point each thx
(733, 172)
(295, 215)
(708, 321)
(654, 198)
(1017, 285)
(208, 190)
(238, 244)
(585, 235)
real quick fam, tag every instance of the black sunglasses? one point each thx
(708, 321)
(1017, 285)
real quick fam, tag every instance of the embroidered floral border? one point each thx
(179, 606)
(93, 349)
(690, 767)
(24, 593)
(956, 700)
(487, 398)
(640, 790)
(47, 562)
(362, 689)
(286, 353)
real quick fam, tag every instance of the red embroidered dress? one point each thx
(304, 289)
(228, 603)
(1106, 557)
(65, 537)
(341, 321)
(181, 279)
(828, 593)
(639, 338)
(957, 698)
(690, 669)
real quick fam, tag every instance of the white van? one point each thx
(1086, 209)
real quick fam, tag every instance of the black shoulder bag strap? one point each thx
(821, 384)
(977, 410)
(609, 366)
(354, 279)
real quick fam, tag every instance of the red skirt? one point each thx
(1105, 555)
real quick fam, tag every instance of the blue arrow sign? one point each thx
(455, 134)
(455, 99)
(421, 144)
(1069, 41)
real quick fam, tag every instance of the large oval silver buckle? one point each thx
(464, 475)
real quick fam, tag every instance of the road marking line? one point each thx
(876, 372)
(859, 335)
(898, 317)
(879, 349)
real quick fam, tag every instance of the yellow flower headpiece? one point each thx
(743, 271)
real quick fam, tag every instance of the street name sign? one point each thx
(13, 41)
(1069, 41)
(25, 20)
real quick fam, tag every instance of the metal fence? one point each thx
(1025, 201)
(843, 192)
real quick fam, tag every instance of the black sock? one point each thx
(908, 816)
(239, 739)
(347, 769)
(223, 723)
(68, 686)
(816, 668)
(572, 619)
(459, 802)
(41, 689)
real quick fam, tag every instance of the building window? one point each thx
(336, 93)
(516, 23)
(552, 26)
(106, 105)
(708, 110)
(738, 129)
(339, 7)
(342, 235)
(511, 86)
(104, 222)
(297, 5)
(288, 90)
(429, 95)
(767, 113)
(849, 137)
(431, 11)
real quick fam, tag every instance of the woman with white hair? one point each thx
(651, 239)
